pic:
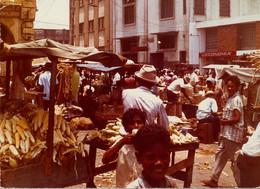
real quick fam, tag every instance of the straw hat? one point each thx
(147, 73)
(209, 93)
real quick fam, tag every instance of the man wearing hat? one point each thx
(207, 113)
(143, 99)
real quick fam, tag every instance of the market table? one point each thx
(175, 170)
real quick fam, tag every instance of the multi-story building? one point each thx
(223, 30)
(90, 23)
(166, 32)
(59, 35)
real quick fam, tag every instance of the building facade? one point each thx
(227, 29)
(90, 23)
(61, 36)
(167, 32)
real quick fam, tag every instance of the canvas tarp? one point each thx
(50, 48)
(244, 74)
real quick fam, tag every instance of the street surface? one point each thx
(204, 162)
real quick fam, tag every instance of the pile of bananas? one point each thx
(178, 138)
(23, 141)
(111, 133)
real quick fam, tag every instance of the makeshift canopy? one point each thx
(50, 48)
(244, 74)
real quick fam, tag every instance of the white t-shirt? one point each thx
(252, 147)
(194, 77)
(45, 80)
(176, 86)
(206, 107)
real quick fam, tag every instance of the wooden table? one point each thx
(174, 169)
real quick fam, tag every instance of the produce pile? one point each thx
(111, 133)
(23, 131)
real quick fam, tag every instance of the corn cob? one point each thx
(4, 148)
(8, 136)
(68, 129)
(2, 137)
(20, 131)
(63, 125)
(23, 124)
(17, 140)
(13, 125)
(13, 150)
(59, 120)
(27, 145)
(22, 146)
(31, 137)
(8, 125)
(12, 162)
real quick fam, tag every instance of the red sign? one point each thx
(218, 54)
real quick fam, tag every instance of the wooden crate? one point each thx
(174, 109)
(33, 176)
(204, 132)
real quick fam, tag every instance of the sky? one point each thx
(52, 14)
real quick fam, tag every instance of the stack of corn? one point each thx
(111, 133)
(178, 138)
(22, 140)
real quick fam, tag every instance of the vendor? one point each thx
(176, 87)
(207, 113)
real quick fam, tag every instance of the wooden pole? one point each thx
(49, 151)
(7, 82)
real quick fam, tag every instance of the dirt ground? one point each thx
(204, 162)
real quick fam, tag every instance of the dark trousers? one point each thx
(172, 97)
(214, 119)
(249, 170)
(46, 104)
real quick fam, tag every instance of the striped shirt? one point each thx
(233, 132)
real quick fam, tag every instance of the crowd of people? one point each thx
(143, 151)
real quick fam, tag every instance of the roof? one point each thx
(50, 48)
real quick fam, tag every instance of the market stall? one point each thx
(181, 139)
(54, 136)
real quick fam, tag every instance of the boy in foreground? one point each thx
(152, 144)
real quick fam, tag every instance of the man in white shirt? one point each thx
(176, 87)
(248, 161)
(45, 82)
(207, 113)
(142, 98)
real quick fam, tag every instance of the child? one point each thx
(127, 167)
(152, 144)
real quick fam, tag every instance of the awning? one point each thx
(96, 66)
(50, 48)
(220, 66)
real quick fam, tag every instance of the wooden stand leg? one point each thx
(92, 160)
(189, 170)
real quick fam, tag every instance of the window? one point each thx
(129, 11)
(91, 26)
(167, 40)
(184, 6)
(128, 43)
(211, 39)
(81, 40)
(224, 7)
(81, 27)
(247, 35)
(167, 8)
(101, 23)
(91, 1)
(199, 7)
(80, 3)
(101, 38)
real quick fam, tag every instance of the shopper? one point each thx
(142, 98)
(231, 134)
(127, 167)
(152, 144)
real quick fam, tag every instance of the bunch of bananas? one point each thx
(23, 141)
(111, 133)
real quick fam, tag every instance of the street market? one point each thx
(45, 143)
